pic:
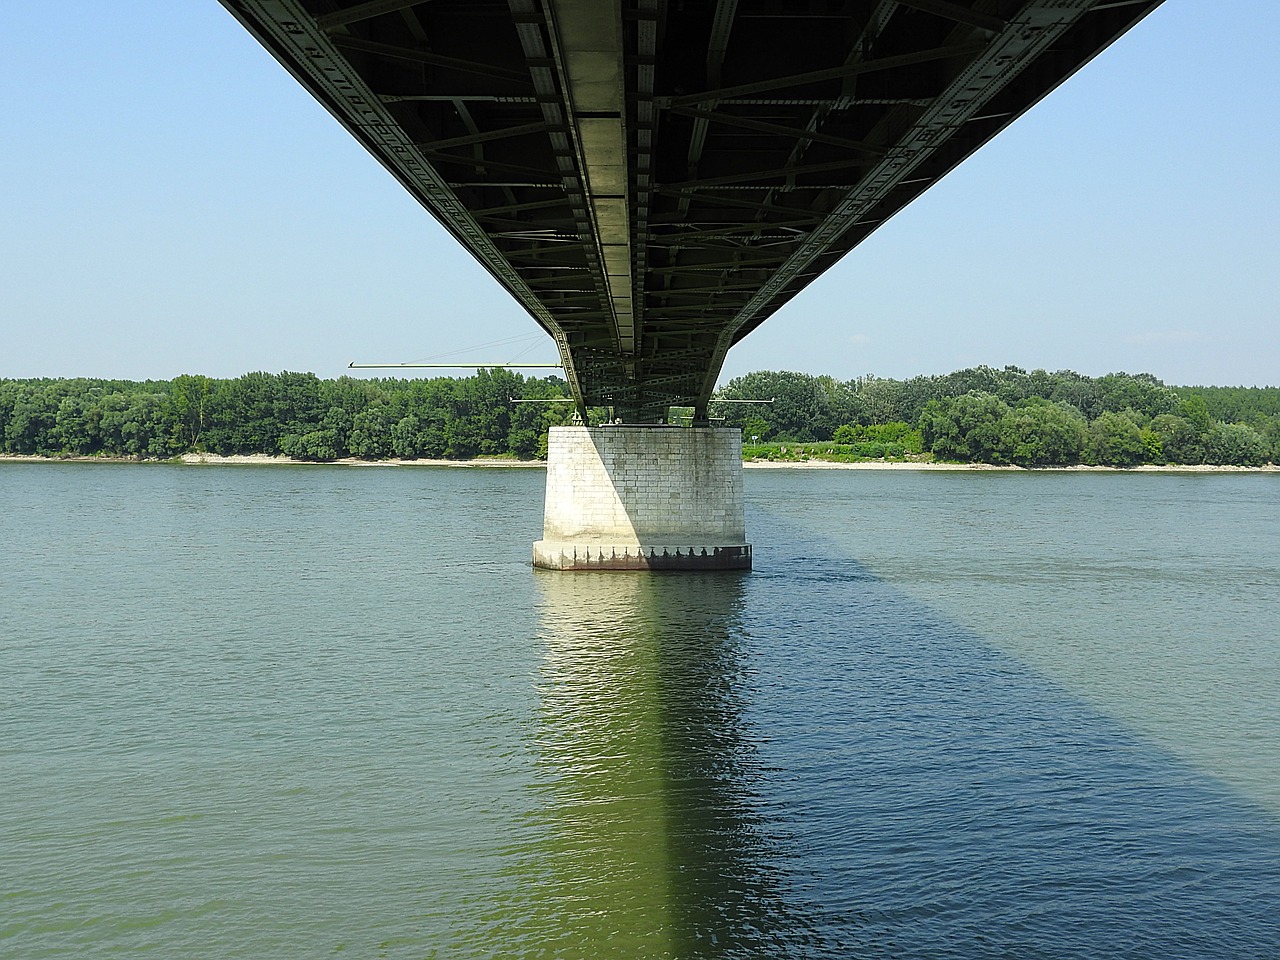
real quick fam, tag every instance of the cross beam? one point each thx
(652, 180)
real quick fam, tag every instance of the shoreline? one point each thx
(262, 459)
(1007, 468)
(271, 460)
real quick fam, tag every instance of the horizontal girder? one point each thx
(653, 180)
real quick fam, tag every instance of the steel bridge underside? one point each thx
(653, 179)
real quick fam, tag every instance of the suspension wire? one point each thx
(523, 338)
(532, 343)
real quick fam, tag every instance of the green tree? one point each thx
(335, 428)
(1115, 440)
(529, 422)
(1270, 429)
(188, 408)
(911, 400)
(76, 424)
(1236, 444)
(1038, 433)
(879, 401)
(1196, 411)
(756, 426)
(319, 445)
(404, 438)
(145, 428)
(1155, 446)
(371, 432)
(8, 398)
(804, 407)
(1083, 393)
(1250, 405)
(1180, 441)
(298, 406)
(965, 428)
(1140, 391)
(114, 410)
(32, 418)
(241, 415)
(480, 414)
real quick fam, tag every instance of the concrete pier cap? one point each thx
(651, 497)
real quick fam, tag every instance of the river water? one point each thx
(280, 712)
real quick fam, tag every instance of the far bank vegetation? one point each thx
(1003, 416)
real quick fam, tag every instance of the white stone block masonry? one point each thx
(632, 497)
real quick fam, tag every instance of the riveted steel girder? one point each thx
(653, 180)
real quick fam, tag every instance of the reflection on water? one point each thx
(649, 843)
(412, 745)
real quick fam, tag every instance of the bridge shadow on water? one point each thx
(803, 761)
(650, 841)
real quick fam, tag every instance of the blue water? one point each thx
(298, 711)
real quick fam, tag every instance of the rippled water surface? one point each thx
(278, 712)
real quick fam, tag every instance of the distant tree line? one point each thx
(1012, 416)
(1006, 416)
(295, 414)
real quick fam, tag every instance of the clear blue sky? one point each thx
(174, 203)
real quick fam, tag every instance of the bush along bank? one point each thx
(1006, 417)
(979, 415)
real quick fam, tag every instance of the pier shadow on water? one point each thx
(806, 762)
(650, 841)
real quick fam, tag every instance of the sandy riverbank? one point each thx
(262, 459)
(1080, 468)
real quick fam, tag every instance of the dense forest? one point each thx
(982, 414)
(295, 414)
(1012, 416)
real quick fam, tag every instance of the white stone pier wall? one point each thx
(631, 497)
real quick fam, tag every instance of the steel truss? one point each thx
(653, 180)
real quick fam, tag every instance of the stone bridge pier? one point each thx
(643, 497)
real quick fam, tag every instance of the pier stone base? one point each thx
(643, 498)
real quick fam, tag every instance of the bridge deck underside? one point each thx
(653, 179)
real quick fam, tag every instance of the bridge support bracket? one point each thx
(643, 498)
